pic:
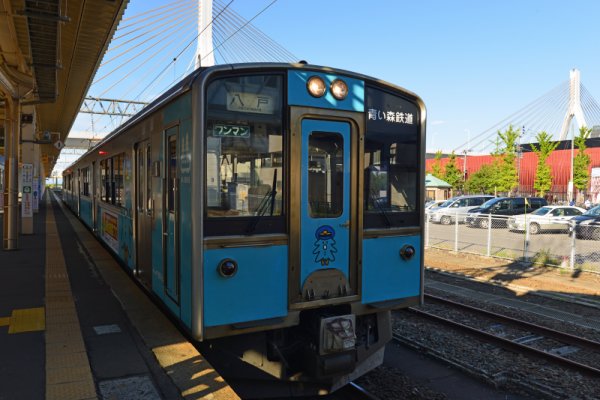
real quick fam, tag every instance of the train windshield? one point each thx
(244, 147)
(391, 161)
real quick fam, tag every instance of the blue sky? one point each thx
(474, 63)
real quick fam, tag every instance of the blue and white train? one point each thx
(276, 210)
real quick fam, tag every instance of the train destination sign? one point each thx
(240, 131)
(385, 111)
(250, 102)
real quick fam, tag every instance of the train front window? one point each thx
(391, 161)
(244, 154)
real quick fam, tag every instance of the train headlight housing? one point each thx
(339, 89)
(227, 268)
(316, 86)
(407, 252)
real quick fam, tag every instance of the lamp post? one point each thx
(571, 185)
(465, 157)
(519, 155)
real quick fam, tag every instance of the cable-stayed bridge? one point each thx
(154, 49)
(559, 112)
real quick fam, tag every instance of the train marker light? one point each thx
(407, 252)
(227, 268)
(102, 152)
(316, 86)
(339, 89)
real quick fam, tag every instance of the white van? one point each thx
(457, 208)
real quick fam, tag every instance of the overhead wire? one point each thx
(187, 46)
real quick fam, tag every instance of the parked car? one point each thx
(501, 208)
(587, 225)
(547, 218)
(433, 204)
(456, 208)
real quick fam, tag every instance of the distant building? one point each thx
(559, 161)
(436, 189)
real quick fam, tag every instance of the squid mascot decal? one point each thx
(325, 250)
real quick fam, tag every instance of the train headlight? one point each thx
(407, 252)
(316, 86)
(339, 89)
(227, 268)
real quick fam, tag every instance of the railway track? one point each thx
(353, 391)
(561, 348)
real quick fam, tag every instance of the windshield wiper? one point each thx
(266, 203)
(380, 208)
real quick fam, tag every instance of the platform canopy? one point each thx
(49, 53)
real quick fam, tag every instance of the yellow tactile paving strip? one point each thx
(68, 373)
(190, 372)
(27, 320)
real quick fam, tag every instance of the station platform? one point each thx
(74, 326)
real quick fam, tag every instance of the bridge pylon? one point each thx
(204, 51)
(574, 109)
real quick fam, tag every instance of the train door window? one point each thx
(245, 166)
(172, 172)
(117, 180)
(141, 173)
(85, 177)
(105, 179)
(391, 161)
(325, 175)
(148, 179)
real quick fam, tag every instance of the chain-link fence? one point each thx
(553, 241)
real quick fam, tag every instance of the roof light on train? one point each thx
(316, 86)
(227, 268)
(339, 89)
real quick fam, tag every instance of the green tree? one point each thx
(506, 152)
(581, 162)
(482, 181)
(543, 175)
(453, 175)
(436, 166)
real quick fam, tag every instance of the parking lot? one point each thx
(551, 248)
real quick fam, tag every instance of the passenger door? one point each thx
(325, 209)
(171, 215)
(144, 210)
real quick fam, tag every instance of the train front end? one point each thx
(311, 218)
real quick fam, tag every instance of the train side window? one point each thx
(245, 165)
(325, 174)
